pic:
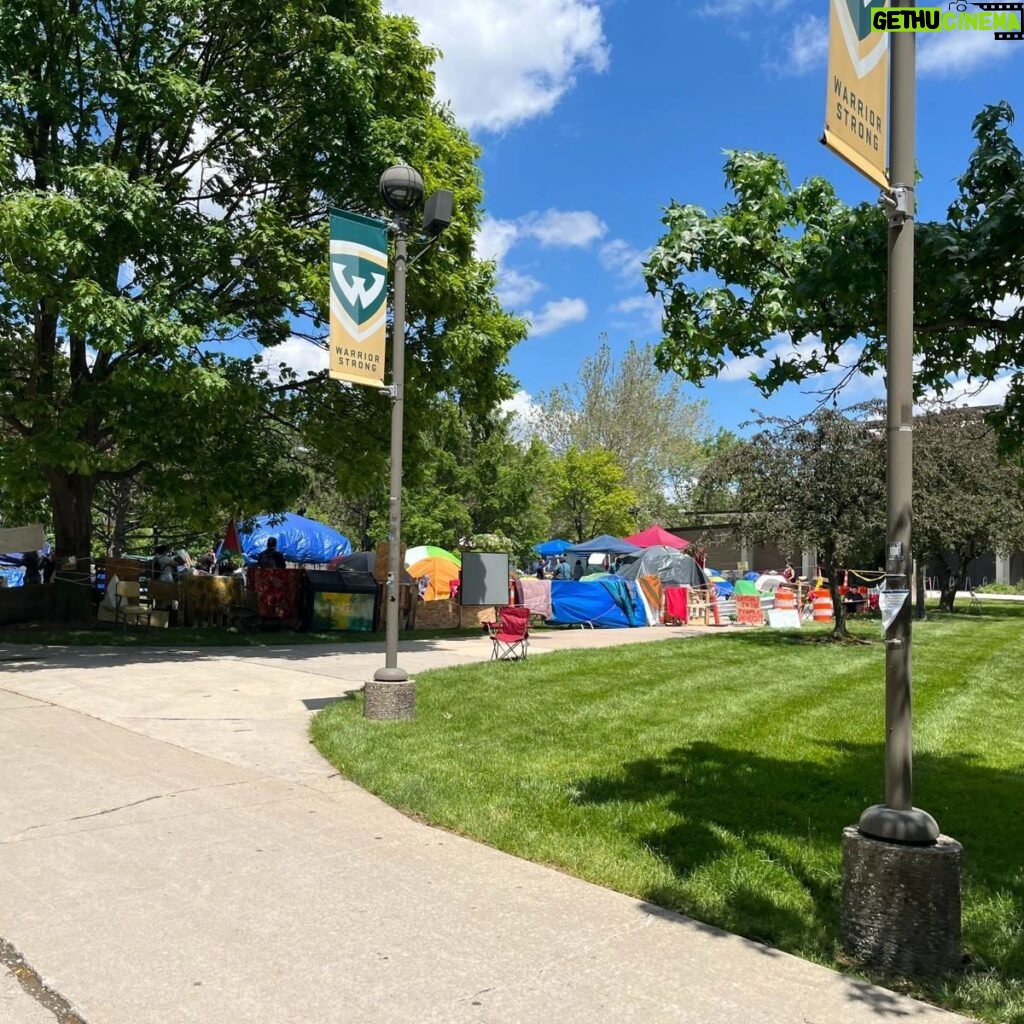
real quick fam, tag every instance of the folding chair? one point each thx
(128, 604)
(510, 635)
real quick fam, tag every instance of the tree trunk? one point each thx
(71, 498)
(920, 595)
(950, 584)
(839, 632)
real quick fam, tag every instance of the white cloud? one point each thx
(556, 315)
(571, 228)
(495, 238)
(620, 257)
(806, 48)
(640, 312)
(947, 54)
(507, 61)
(516, 289)
(742, 368)
(740, 8)
(302, 356)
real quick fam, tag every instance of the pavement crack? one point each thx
(122, 807)
(35, 987)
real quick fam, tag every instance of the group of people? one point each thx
(561, 571)
(39, 567)
(168, 564)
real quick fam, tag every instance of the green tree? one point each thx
(816, 482)
(165, 171)
(589, 495)
(967, 498)
(657, 436)
(797, 264)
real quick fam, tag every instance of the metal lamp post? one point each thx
(391, 694)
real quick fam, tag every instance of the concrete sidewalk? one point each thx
(172, 849)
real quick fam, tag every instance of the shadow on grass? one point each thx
(766, 832)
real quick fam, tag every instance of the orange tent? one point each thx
(441, 572)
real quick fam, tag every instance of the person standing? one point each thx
(577, 569)
(33, 569)
(562, 571)
(271, 558)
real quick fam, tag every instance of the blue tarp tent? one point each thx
(551, 548)
(298, 539)
(605, 544)
(607, 602)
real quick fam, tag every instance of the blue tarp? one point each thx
(298, 539)
(603, 545)
(724, 589)
(551, 548)
(602, 602)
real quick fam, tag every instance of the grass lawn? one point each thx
(715, 775)
(104, 634)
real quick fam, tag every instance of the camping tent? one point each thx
(421, 551)
(361, 561)
(552, 548)
(442, 572)
(298, 539)
(605, 602)
(672, 567)
(602, 545)
(656, 535)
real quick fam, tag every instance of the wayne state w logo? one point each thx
(359, 278)
(863, 46)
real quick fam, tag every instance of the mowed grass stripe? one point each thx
(715, 775)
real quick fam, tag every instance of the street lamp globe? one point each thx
(401, 188)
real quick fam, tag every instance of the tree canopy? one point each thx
(658, 437)
(797, 264)
(165, 171)
(812, 483)
(968, 500)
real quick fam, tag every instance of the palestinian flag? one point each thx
(230, 545)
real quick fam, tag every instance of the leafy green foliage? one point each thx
(798, 263)
(967, 498)
(165, 171)
(658, 437)
(813, 483)
(589, 495)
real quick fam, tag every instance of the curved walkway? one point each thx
(172, 849)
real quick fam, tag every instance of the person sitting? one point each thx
(271, 558)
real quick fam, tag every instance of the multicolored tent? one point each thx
(421, 551)
(442, 572)
(656, 535)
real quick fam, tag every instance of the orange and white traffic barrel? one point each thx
(821, 601)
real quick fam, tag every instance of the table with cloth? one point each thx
(277, 592)
(208, 600)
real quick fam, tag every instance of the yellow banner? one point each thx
(857, 106)
(359, 294)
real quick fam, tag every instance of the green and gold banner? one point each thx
(359, 298)
(857, 108)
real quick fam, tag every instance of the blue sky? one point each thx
(594, 115)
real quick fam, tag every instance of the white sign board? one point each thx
(784, 618)
(889, 604)
(22, 538)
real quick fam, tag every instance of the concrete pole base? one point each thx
(389, 700)
(901, 904)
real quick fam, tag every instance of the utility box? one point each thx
(484, 578)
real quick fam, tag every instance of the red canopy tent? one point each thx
(656, 535)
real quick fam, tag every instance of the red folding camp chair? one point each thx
(510, 635)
